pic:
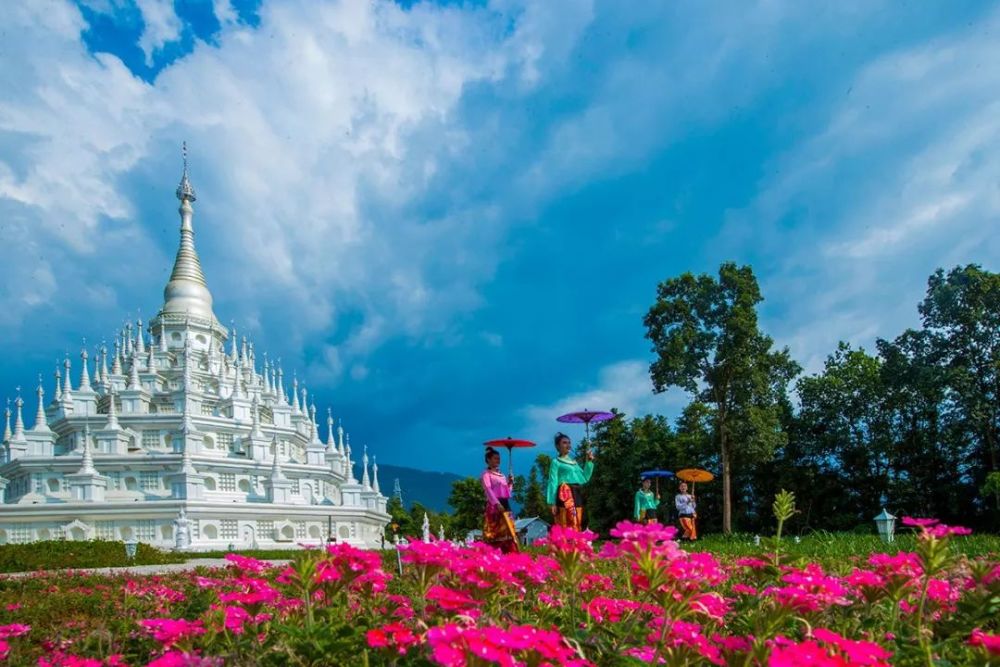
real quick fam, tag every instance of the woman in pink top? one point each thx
(498, 526)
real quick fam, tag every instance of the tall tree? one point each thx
(707, 341)
(962, 313)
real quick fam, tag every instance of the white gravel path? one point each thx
(147, 569)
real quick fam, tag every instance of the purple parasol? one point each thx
(585, 417)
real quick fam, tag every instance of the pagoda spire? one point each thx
(267, 375)
(350, 463)
(87, 465)
(365, 481)
(68, 382)
(233, 353)
(6, 428)
(133, 374)
(18, 417)
(112, 424)
(85, 371)
(58, 393)
(331, 443)
(375, 486)
(129, 343)
(281, 384)
(140, 345)
(295, 394)
(340, 437)
(305, 402)
(41, 423)
(187, 290)
(314, 425)
(116, 365)
(150, 360)
(104, 364)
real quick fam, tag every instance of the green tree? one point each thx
(707, 341)
(533, 499)
(847, 428)
(961, 312)
(469, 503)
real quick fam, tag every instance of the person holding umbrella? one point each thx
(646, 503)
(685, 504)
(564, 492)
(498, 523)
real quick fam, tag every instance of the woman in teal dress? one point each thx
(564, 492)
(646, 503)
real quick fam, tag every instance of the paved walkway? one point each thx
(147, 569)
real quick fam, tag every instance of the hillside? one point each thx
(430, 489)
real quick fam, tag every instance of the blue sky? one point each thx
(451, 217)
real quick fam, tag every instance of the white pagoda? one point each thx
(180, 439)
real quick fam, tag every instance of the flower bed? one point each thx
(638, 599)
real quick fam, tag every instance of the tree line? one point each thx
(912, 424)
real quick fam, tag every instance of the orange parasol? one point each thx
(694, 475)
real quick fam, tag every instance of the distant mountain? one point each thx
(430, 489)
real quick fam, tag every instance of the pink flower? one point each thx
(179, 659)
(991, 643)
(394, 636)
(247, 564)
(566, 540)
(169, 631)
(14, 630)
(449, 599)
(920, 523)
(712, 605)
(744, 589)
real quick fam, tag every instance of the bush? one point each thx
(62, 554)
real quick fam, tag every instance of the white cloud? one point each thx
(311, 137)
(161, 25)
(902, 180)
(624, 385)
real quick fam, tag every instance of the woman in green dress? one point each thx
(646, 503)
(564, 492)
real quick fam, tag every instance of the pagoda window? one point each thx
(114, 480)
(105, 530)
(53, 485)
(150, 439)
(131, 484)
(207, 409)
(149, 480)
(19, 534)
(300, 529)
(244, 486)
(229, 530)
(210, 483)
(210, 532)
(265, 529)
(145, 530)
(39, 483)
(295, 487)
(208, 442)
(226, 442)
(227, 482)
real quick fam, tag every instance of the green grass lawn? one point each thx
(835, 551)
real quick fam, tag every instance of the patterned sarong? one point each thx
(569, 506)
(689, 527)
(499, 531)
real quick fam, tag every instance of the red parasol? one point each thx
(511, 444)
